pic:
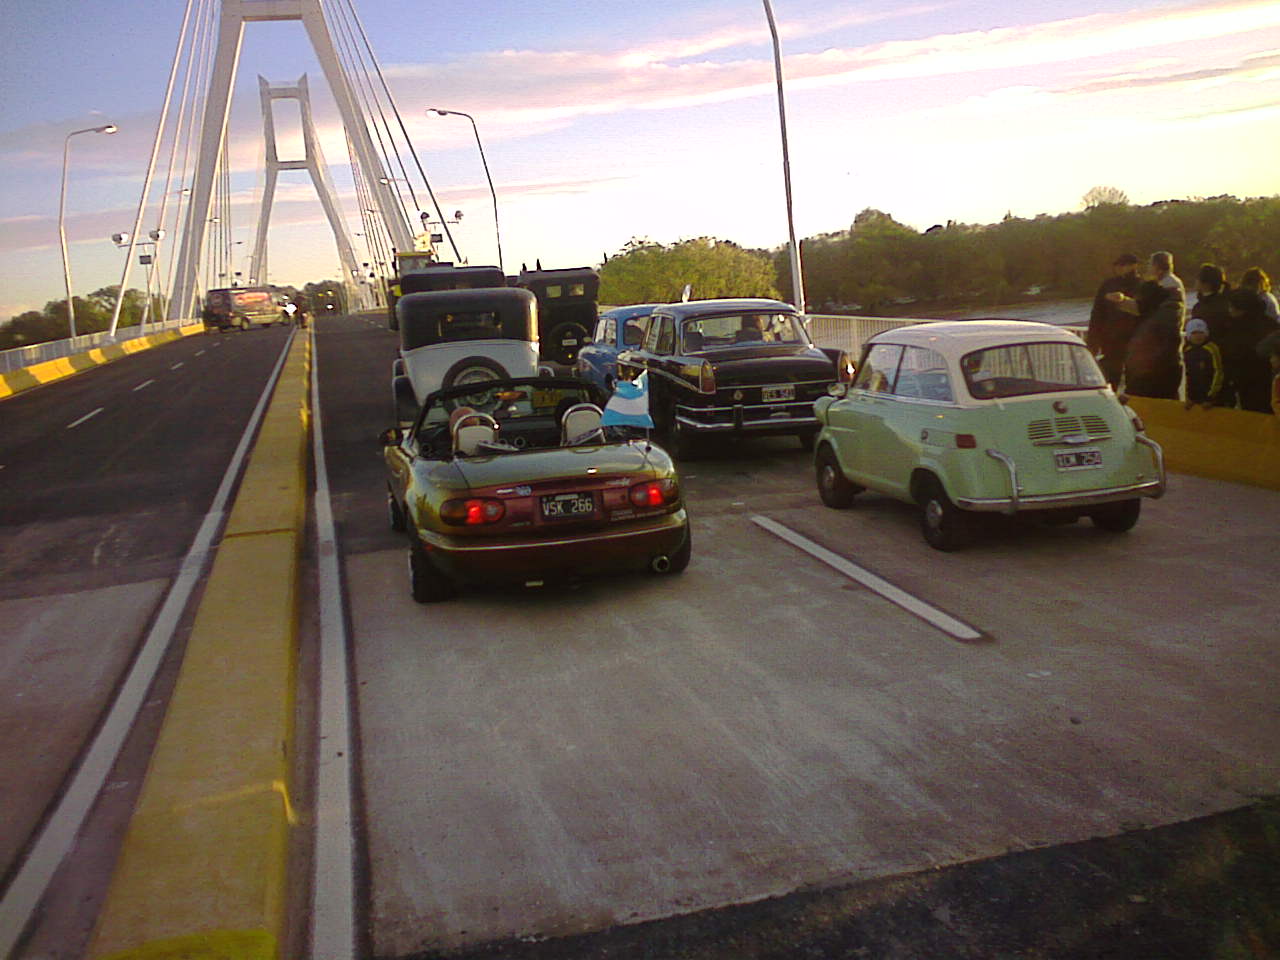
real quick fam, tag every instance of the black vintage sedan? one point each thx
(732, 367)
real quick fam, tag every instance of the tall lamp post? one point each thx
(493, 193)
(62, 212)
(797, 281)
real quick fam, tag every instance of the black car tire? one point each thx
(244, 323)
(406, 404)
(806, 439)
(395, 513)
(397, 367)
(1117, 517)
(426, 583)
(473, 365)
(680, 559)
(833, 486)
(944, 525)
(555, 350)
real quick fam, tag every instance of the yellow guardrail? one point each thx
(16, 381)
(1218, 443)
(202, 870)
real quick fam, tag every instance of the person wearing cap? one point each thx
(1202, 361)
(1110, 327)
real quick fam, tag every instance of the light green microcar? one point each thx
(984, 416)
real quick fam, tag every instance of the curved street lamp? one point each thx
(62, 212)
(797, 281)
(493, 193)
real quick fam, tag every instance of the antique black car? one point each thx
(566, 311)
(415, 273)
(732, 367)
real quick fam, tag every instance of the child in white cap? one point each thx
(1202, 361)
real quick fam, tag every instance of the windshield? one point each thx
(741, 329)
(1021, 369)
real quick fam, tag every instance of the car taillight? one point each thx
(844, 368)
(654, 493)
(966, 441)
(474, 512)
(707, 378)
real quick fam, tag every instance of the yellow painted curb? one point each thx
(1218, 443)
(202, 870)
(16, 381)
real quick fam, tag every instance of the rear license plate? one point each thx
(1078, 459)
(771, 394)
(545, 399)
(564, 506)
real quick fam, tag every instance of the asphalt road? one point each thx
(552, 763)
(104, 479)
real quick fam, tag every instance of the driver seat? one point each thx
(581, 424)
(471, 430)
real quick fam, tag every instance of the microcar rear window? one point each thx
(1021, 369)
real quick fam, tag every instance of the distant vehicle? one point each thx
(239, 308)
(515, 481)
(615, 330)
(416, 272)
(732, 368)
(567, 304)
(985, 416)
(453, 337)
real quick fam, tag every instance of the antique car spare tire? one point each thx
(564, 341)
(473, 370)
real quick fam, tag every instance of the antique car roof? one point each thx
(696, 308)
(950, 336)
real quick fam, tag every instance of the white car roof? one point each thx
(963, 336)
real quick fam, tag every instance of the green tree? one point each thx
(645, 271)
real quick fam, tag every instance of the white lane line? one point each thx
(143, 385)
(60, 830)
(927, 612)
(87, 416)
(176, 365)
(333, 922)
(199, 353)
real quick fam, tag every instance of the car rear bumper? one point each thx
(748, 418)
(608, 550)
(1017, 502)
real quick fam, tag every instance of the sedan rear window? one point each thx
(1021, 369)
(739, 329)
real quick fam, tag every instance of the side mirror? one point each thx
(838, 390)
(390, 437)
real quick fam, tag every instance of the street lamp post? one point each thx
(497, 233)
(62, 212)
(797, 281)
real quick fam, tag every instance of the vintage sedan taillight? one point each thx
(707, 378)
(654, 493)
(473, 512)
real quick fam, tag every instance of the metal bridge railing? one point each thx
(850, 333)
(19, 357)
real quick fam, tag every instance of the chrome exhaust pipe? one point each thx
(660, 563)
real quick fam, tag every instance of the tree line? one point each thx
(881, 266)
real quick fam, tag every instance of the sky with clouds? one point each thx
(638, 119)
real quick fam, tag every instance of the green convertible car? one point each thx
(516, 481)
(985, 416)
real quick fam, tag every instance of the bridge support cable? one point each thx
(373, 58)
(151, 167)
(377, 242)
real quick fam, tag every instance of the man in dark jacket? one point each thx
(1153, 365)
(1211, 307)
(1110, 327)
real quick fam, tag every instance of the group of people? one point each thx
(1225, 351)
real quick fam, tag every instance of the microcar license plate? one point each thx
(565, 506)
(545, 399)
(786, 391)
(1078, 459)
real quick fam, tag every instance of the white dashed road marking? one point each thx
(199, 353)
(76, 423)
(143, 385)
(176, 365)
(930, 614)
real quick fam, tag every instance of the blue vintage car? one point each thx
(615, 330)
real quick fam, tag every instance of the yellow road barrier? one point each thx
(1218, 443)
(16, 381)
(201, 873)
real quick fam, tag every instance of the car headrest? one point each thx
(693, 340)
(580, 423)
(471, 430)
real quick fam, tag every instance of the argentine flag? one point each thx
(629, 405)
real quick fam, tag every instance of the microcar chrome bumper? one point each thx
(1016, 501)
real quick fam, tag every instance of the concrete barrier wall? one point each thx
(1217, 443)
(202, 870)
(25, 378)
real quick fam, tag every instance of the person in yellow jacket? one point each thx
(1202, 361)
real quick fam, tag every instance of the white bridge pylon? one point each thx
(313, 164)
(234, 15)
